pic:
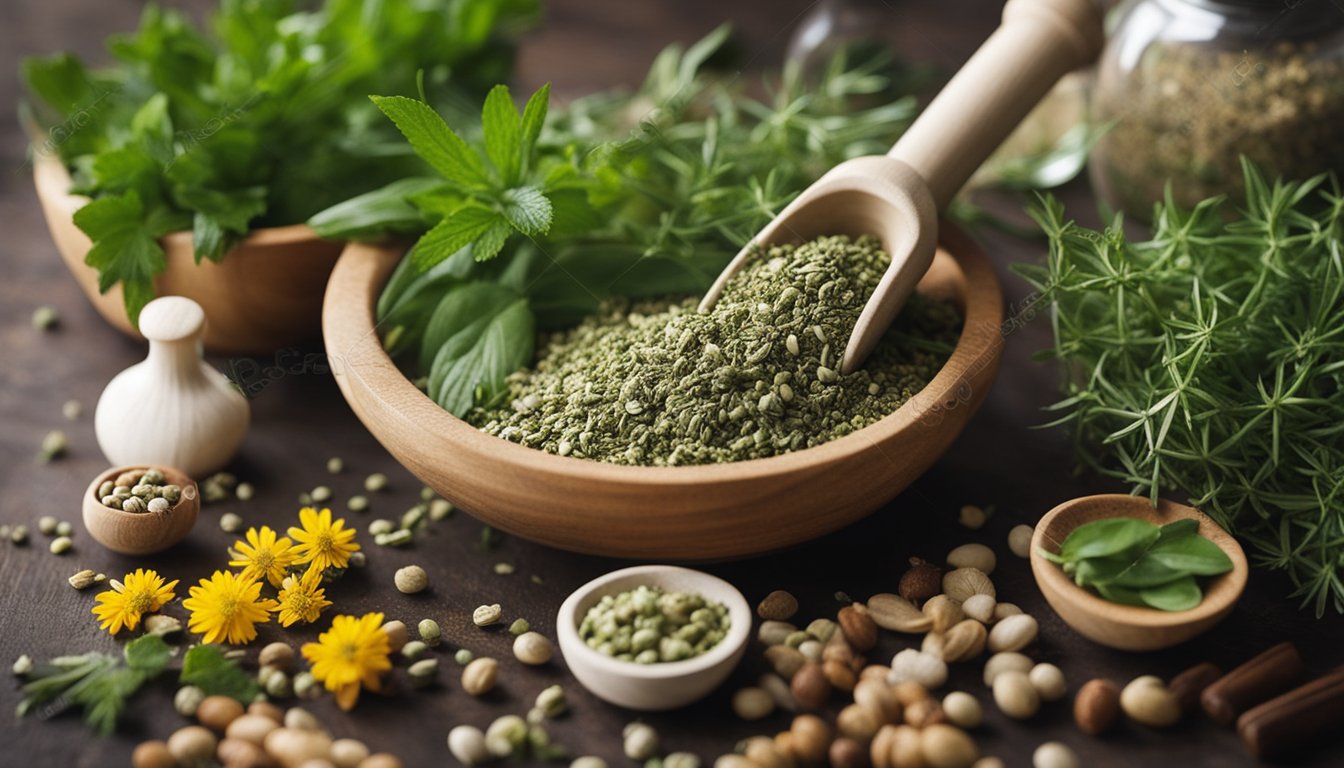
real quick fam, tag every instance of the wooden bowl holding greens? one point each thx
(1132, 576)
(703, 512)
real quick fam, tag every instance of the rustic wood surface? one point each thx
(300, 420)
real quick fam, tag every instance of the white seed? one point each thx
(478, 677)
(779, 692)
(348, 753)
(923, 668)
(467, 744)
(810, 649)
(397, 635)
(1048, 680)
(1146, 700)
(230, 522)
(980, 608)
(1004, 610)
(973, 517)
(590, 761)
(486, 615)
(532, 648)
(640, 741)
(1054, 754)
(753, 703)
(962, 709)
(187, 700)
(1019, 540)
(60, 545)
(1015, 696)
(1013, 633)
(411, 579)
(976, 556)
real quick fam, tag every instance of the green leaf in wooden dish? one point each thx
(480, 333)
(1111, 536)
(1135, 562)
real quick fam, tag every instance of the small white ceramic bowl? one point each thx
(652, 687)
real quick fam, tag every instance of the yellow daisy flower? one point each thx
(226, 607)
(263, 555)
(321, 542)
(352, 653)
(138, 593)
(302, 598)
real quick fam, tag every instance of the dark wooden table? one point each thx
(301, 420)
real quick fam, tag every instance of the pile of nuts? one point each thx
(894, 720)
(261, 735)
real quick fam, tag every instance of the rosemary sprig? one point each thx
(1209, 360)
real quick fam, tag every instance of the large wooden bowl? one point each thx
(676, 513)
(264, 294)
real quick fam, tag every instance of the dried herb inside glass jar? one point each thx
(1192, 85)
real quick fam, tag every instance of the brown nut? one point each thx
(847, 753)
(922, 581)
(811, 738)
(858, 627)
(879, 749)
(925, 712)
(908, 692)
(839, 675)
(216, 712)
(906, 749)
(810, 687)
(879, 697)
(777, 606)
(1096, 708)
(1188, 685)
(858, 722)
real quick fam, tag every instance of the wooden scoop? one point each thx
(897, 197)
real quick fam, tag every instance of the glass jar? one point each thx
(1192, 85)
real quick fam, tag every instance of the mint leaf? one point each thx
(534, 117)
(1191, 554)
(502, 130)
(1179, 595)
(454, 233)
(206, 667)
(148, 654)
(489, 244)
(461, 315)
(124, 251)
(433, 140)
(1111, 536)
(470, 367)
(60, 80)
(528, 210)
(388, 209)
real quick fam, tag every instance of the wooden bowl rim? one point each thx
(739, 631)
(190, 495)
(52, 180)
(1220, 594)
(978, 347)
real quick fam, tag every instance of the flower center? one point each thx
(228, 607)
(140, 602)
(264, 560)
(300, 602)
(349, 651)
(324, 542)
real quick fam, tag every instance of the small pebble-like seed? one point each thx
(279, 655)
(153, 754)
(1019, 540)
(962, 709)
(1015, 696)
(486, 615)
(1054, 754)
(1048, 680)
(230, 522)
(216, 712)
(375, 482)
(976, 556)
(320, 495)
(752, 703)
(411, 579)
(192, 745)
(1013, 633)
(251, 728)
(532, 648)
(348, 753)
(60, 545)
(478, 677)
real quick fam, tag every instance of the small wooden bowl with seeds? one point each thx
(1128, 627)
(681, 513)
(141, 532)
(663, 685)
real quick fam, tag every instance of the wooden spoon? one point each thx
(897, 197)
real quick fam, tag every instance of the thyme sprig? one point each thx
(1209, 360)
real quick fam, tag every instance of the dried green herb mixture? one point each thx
(658, 383)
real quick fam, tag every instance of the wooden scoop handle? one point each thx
(1038, 42)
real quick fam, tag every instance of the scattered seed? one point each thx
(503, 569)
(357, 503)
(478, 677)
(375, 483)
(47, 525)
(60, 545)
(244, 491)
(519, 626)
(45, 318)
(23, 665)
(414, 649)
(1019, 540)
(440, 509)
(411, 579)
(394, 539)
(486, 615)
(335, 466)
(532, 648)
(463, 656)
(973, 517)
(320, 495)
(230, 522)
(83, 579)
(54, 446)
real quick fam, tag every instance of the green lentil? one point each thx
(60, 545)
(430, 631)
(54, 446)
(413, 517)
(244, 491)
(380, 526)
(375, 482)
(320, 495)
(393, 539)
(659, 383)
(47, 525)
(463, 656)
(64, 528)
(335, 466)
(647, 625)
(519, 627)
(45, 317)
(440, 509)
(357, 503)
(414, 649)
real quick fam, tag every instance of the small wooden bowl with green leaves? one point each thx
(1168, 572)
